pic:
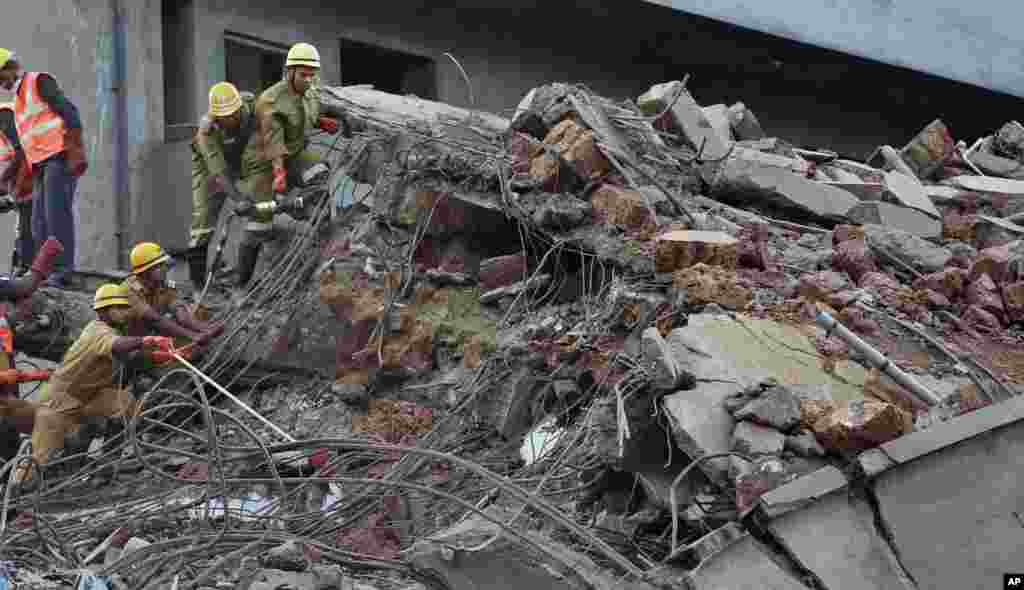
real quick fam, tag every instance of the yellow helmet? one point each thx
(224, 100)
(5, 56)
(109, 295)
(303, 54)
(146, 255)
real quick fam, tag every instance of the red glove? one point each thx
(328, 124)
(47, 256)
(158, 343)
(216, 185)
(280, 180)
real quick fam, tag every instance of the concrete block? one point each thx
(743, 566)
(909, 192)
(744, 123)
(686, 117)
(803, 490)
(717, 116)
(954, 513)
(904, 218)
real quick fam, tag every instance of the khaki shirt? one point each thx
(282, 120)
(217, 150)
(162, 300)
(88, 366)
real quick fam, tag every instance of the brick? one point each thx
(621, 206)
(577, 146)
(682, 249)
(854, 258)
(818, 286)
(712, 284)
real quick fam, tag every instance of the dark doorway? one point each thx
(253, 65)
(177, 27)
(387, 70)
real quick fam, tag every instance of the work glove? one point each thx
(74, 152)
(47, 257)
(280, 180)
(328, 124)
(158, 343)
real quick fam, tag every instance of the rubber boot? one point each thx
(197, 267)
(248, 255)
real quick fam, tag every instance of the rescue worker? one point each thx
(16, 182)
(83, 385)
(154, 300)
(277, 157)
(50, 132)
(216, 164)
(17, 415)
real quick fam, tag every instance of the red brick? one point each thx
(994, 262)
(621, 206)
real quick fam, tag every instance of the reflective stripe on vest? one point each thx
(40, 129)
(6, 149)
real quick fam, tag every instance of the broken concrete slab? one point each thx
(929, 150)
(865, 191)
(777, 408)
(718, 117)
(944, 195)
(1009, 140)
(894, 216)
(744, 123)
(918, 253)
(752, 440)
(909, 192)
(743, 182)
(803, 490)
(997, 165)
(685, 117)
(743, 565)
(987, 184)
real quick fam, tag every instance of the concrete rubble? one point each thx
(628, 289)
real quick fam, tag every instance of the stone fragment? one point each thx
(777, 408)
(685, 118)
(854, 258)
(987, 184)
(767, 474)
(805, 444)
(908, 192)
(744, 123)
(929, 149)
(997, 165)
(743, 182)
(682, 249)
(977, 318)
(916, 252)
(623, 207)
(983, 292)
(577, 146)
(949, 282)
(994, 262)
(752, 439)
(1013, 299)
(958, 224)
(1009, 141)
(753, 247)
(287, 557)
(856, 319)
(668, 375)
(502, 271)
(808, 260)
(562, 213)
(855, 424)
(897, 217)
(351, 393)
(818, 286)
(705, 284)
(717, 116)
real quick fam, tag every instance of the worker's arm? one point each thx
(210, 142)
(42, 266)
(125, 345)
(52, 94)
(347, 123)
(164, 325)
(189, 321)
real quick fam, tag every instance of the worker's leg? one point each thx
(205, 213)
(48, 436)
(57, 218)
(25, 244)
(258, 228)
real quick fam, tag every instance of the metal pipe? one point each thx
(878, 360)
(122, 186)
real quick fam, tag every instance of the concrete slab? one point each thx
(865, 191)
(997, 165)
(803, 491)
(987, 184)
(718, 116)
(688, 116)
(1002, 224)
(942, 194)
(917, 252)
(742, 566)
(954, 514)
(910, 220)
(909, 192)
(836, 539)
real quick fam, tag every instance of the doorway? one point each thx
(388, 70)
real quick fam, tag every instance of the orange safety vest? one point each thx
(6, 149)
(40, 129)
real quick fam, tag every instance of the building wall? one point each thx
(75, 42)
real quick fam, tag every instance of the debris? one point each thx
(744, 123)
(679, 250)
(752, 440)
(805, 444)
(906, 219)
(502, 271)
(702, 284)
(916, 252)
(777, 408)
(929, 150)
(533, 284)
(856, 424)
(623, 207)
(685, 117)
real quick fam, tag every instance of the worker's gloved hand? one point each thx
(47, 257)
(280, 180)
(74, 153)
(328, 124)
(244, 208)
(204, 338)
(217, 184)
(158, 343)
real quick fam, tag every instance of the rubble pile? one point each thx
(644, 279)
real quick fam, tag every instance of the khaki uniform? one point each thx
(82, 386)
(282, 120)
(215, 151)
(161, 299)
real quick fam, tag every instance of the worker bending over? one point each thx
(50, 132)
(277, 157)
(155, 303)
(16, 184)
(83, 385)
(216, 164)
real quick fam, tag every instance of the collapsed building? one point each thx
(603, 344)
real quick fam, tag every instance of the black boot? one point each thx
(248, 255)
(197, 267)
